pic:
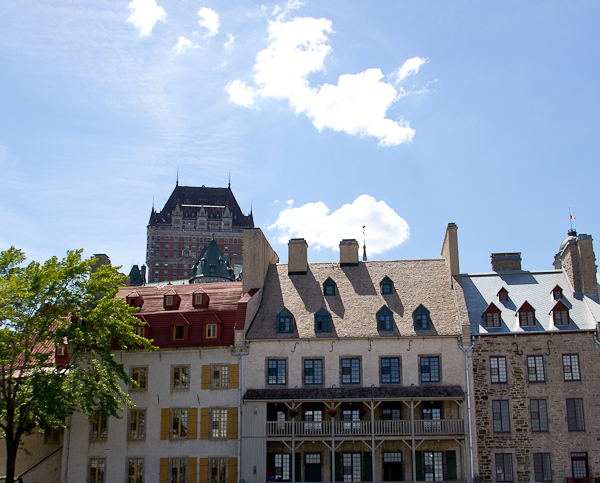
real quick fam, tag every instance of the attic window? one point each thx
(386, 286)
(560, 314)
(322, 321)
(178, 332)
(200, 299)
(328, 287)
(285, 322)
(526, 315)
(491, 316)
(385, 319)
(557, 293)
(169, 300)
(421, 318)
(503, 295)
(211, 331)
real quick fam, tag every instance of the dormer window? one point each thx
(322, 321)
(328, 287)
(491, 316)
(503, 295)
(171, 300)
(211, 331)
(557, 293)
(526, 315)
(387, 286)
(385, 319)
(421, 318)
(134, 299)
(285, 322)
(200, 298)
(560, 314)
(178, 332)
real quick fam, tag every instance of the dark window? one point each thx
(178, 332)
(322, 321)
(557, 293)
(535, 369)
(526, 315)
(350, 371)
(575, 414)
(390, 370)
(503, 295)
(385, 319)
(351, 467)
(285, 322)
(282, 467)
(386, 286)
(501, 417)
(328, 287)
(391, 414)
(539, 415)
(313, 371)
(433, 465)
(392, 466)
(571, 367)
(579, 464)
(498, 369)
(504, 470)
(561, 317)
(492, 319)
(430, 369)
(541, 466)
(276, 372)
(421, 318)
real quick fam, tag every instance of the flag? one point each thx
(572, 217)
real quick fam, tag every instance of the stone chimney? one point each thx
(297, 256)
(144, 274)
(504, 262)
(576, 257)
(101, 259)
(450, 249)
(349, 253)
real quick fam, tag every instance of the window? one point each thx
(560, 314)
(178, 470)
(99, 426)
(218, 470)
(504, 470)
(386, 286)
(276, 372)
(97, 470)
(179, 423)
(541, 467)
(391, 413)
(180, 377)
(135, 470)
(526, 315)
(571, 367)
(503, 295)
(178, 331)
(169, 300)
(313, 372)
(139, 331)
(385, 319)
(575, 414)
(285, 322)
(140, 376)
(501, 417)
(557, 293)
(392, 466)
(211, 331)
(390, 370)
(219, 377)
(535, 369)
(430, 369)
(137, 424)
(350, 371)
(218, 423)
(51, 434)
(579, 465)
(282, 467)
(433, 465)
(492, 319)
(421, 318)
(315, 418)
(322, 321)
(539, 415)
(329, 287)
(498, 369)
(351, 466)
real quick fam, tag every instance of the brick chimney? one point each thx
(297, 256)
(450, 249)
(504, 262)
(349, 253)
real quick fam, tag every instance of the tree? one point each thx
(69, 304)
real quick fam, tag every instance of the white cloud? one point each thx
(144, 14)
(241, 94)
(358, 103)
(385, 229)
(281, 12)
(410, 67)
(230, 41)
(210, 20)
(182, 45)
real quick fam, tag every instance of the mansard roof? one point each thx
(353, 311)
(211, 256)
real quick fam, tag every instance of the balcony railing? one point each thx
(365, 428)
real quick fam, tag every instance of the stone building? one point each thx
(536, 366)
(191, 217)
(354, 370)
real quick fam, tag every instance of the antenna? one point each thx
(177, 182)
(229, 178)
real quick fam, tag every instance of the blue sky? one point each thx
(398, 115)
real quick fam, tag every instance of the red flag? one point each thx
(572, 217)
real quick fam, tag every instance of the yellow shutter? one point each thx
(232, 470)
(193, 424)
(164, 423)
(233, 420)
(205, 377)
(233, 376)
(204, 423)
(164, 470)
(203, 470)
(191, 470)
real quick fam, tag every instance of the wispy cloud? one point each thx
(145, 14)
(209, 19)
(358, 103)
(182, 45)
(314, 222)
(230, 41)
(281, 12)
(410, 67)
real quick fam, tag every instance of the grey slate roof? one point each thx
(358, 299)
(437, 392)
(534, 287)
(211, 257)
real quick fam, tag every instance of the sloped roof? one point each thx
(211, 257)
(358, 299)
(533, 287)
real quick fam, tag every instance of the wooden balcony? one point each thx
(362, 429)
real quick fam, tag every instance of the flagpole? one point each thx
(570, 219)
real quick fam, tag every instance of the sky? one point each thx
(401, 116)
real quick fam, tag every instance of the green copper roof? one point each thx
(211, 263)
